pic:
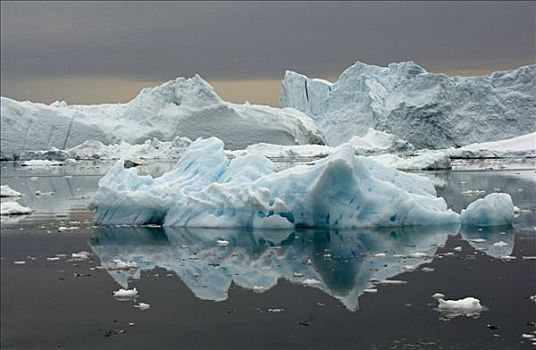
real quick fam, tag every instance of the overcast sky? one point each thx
(83, 51)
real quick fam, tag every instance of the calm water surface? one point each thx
(250, 293)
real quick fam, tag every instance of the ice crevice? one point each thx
(343, 190)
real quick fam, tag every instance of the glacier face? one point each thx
(181, 107)
(206, 190)
(429, 110)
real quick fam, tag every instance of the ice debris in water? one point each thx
(83, 255)
(39, 162)
(438, 296)
(118, 264)
(14, 208)
(6, 191)
(500, 244)
(142, 306)
(222, 242)
(67, 228)
(125, 293)
(310, 282)
(467, 304)
(342, 190)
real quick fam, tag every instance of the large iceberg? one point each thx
(181, 107)
(429, 110)
(206, 190)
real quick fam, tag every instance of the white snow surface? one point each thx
(429, 110)
(6, 191)
(14, 208)
(520, 146)
(342, 190)
(182, 107)
(467, 304)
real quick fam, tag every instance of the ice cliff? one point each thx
(429, 110)
(340, 191)
(181, 107)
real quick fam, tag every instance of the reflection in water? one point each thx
(343, 262)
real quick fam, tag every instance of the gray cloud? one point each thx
(236, 40)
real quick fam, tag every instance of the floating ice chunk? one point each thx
(19, 262)
(13, 208)
(258, 289)
(500, 244)
(467, 304)
(125, 293)
(419, 255)
(493, 210)
(67, 228)
(83, 255)
(527, 336)
(379, 255)
(438, 296)
(142, 306)
(54, 258)
(457, 249)
(427, 269)
(477, 240)
(6, 191)
(222, 242)
(277, 310)
(118, 264)
(370, 290)
(310, 282)
(507, 257)
(389, 282)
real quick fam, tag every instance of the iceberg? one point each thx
(6, 191)
(496, 209)
(429, 110)
(343, 190)
(182, 107)
(14, 208)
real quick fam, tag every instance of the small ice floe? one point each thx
(438, 296)
(409, 268)
(310, 282)
(533, 298)
(507, 257)
(142, 306)
(477, 240)
(500, 244)
(468, 307)
(13, 208)
(473, 192)
(19, 262)
(276, 310)
(258, 289)
(419, 255)
(67, 228)
(517, 211)
(370, 290)
(427, 269)
(529, 258)
(40, 162)
(54, 258)
(527, 336)
(39, 193)
(125, 293)
(379, 255)
(388, 282)
(297, 274)
(457, 249)
(118, 264)
(6, 191)
(83, 255)
(222, 242)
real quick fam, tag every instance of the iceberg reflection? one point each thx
(343, 263)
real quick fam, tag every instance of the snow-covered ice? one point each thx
(125, 293)
(520, 146)
(6, 191)
(182, 107)
(14, 208)
(41, 162)
(427, 109)
(466, 304)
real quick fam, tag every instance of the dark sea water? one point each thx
(236, 289)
